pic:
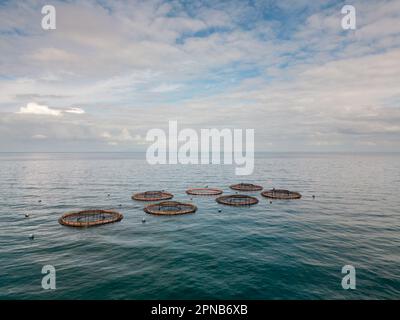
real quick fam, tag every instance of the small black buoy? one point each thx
(143, 220)
(313, 196)
(108, 195)
(120, 205)
(31, 236)
(27, 215)
(219, 210)
(270, 202)
(40, 201)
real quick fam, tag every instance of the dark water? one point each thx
(283, 250)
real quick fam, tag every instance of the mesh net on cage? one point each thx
(237, 200)
(152, 196)
(170, 208)
(204, 192)
(89, 218)
(246, 187)
(281, 194)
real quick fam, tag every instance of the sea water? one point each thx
(280, 250)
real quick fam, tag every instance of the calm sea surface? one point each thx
(284, 250)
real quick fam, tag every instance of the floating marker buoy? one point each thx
(143, 220)
(219, 210)
(120, 205)
(40, 201)
(313, 196)
(31, 236)
(27, 215)
(108, 195)
(270, 202)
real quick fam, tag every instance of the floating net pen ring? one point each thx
(281, 194)
(246, 187)
(89, 218)
(170, 208)
(204, 192)
(237, 200)
(152, 196)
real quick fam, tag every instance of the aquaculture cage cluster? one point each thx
(281, 194)
(237, 200)
(204, 192)
(246, 187)
(170, 208)
(152, 196)
(90, 218)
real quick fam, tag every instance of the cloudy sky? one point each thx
(112, 70)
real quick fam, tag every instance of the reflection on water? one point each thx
(284, 250)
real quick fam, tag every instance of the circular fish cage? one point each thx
(246, 187)
(237, 200)
(170, 208)
(204, 192)
(89, 218)
(152, 196)
(281, 194)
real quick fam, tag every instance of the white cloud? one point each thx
(125, 135)
(75, 110)
(37, 109)
(106, 135)
(166, 88)
(54, 54)
(122, 136)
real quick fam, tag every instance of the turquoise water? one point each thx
(284, 250)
